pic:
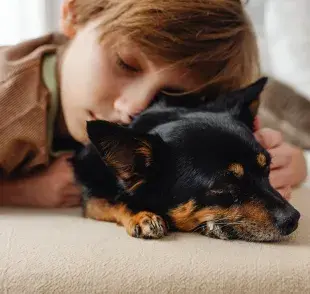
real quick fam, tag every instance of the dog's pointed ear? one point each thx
(129, 155)
(244, 103)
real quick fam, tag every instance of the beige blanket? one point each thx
(60, 252)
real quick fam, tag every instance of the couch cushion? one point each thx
(60, 252)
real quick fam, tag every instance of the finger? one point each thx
(286, 192)
(72, 190)
(62, 163)
(72, 202)
(269, 138)
(280, 156)
(67, 172)
(66, 155)
(280, 178)
(64, 159)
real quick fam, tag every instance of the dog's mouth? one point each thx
(238, 231)
(220, 231)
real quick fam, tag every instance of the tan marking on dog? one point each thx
(151, 225)
(123, 169)
(237, 169)
(102, 210)
(183, 216)
(251, 211)
(230, 214)
(254, 215)
(186, 219)
(255, 212)
(261, 160)
(146, 151)
(120, 160)
(245, 216)
(135, 186)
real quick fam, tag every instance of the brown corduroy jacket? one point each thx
(24, 103)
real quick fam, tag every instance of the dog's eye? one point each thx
(263, 162)
(237, 169)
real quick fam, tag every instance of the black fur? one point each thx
(190, 151)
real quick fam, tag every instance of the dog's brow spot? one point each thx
(261, 160)
(237, 169)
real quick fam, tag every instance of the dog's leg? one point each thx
(140, 225)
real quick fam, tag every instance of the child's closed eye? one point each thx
(126, 66)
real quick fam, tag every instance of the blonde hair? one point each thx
(213, 38)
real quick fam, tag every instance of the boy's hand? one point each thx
(56, 186)
(288, 166)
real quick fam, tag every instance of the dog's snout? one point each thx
(287, 220)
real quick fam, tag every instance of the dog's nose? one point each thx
(287, 220)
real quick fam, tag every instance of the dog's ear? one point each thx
(243, 104)
(128, 154)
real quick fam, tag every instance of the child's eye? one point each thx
(123, 65)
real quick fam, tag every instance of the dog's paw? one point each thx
(147, 225)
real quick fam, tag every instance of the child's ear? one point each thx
(129, 155)
(68, 20)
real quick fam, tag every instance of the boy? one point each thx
(114, 56)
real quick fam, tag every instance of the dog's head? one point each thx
(204, 169)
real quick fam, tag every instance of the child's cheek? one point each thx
(256, 124)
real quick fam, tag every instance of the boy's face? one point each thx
(100, 81)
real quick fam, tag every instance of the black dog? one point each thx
(196, 169)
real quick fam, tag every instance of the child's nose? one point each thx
(131, 105)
